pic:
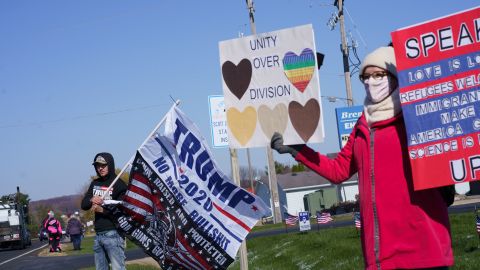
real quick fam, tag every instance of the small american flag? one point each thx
(323, 218)
(290, 219)
(478, 224)
(356, 219)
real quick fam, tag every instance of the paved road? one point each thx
(7, 255)
(29, 259)
(463, 208)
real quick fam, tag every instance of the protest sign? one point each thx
(218, 121)
(270, 83)
(179, 207)
(304, 221)
(346, 119)
(438, 64)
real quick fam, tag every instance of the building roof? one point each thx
(306, 180)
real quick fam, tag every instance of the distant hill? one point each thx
(64, 204)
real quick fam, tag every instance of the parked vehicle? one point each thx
(43, 235)
(13, 223)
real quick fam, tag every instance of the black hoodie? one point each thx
(103, 221)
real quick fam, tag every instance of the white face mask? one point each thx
(377, 90)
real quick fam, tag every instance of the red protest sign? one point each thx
(438, 64)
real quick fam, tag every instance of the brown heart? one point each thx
(238, 77)
(304, 118)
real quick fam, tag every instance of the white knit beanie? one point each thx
(383, 57)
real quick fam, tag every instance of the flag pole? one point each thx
(144, 142)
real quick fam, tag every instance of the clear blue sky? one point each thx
(81, 77)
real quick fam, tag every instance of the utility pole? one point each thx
(243, 255)
(344, 48)
(253, 30)
(250, 172)
(272, 175)
(346, 66)
(251, 12)
(236, 178)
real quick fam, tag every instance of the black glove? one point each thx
(277, 143)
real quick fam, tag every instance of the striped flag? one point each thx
(290, 220)
(180, 207)
(478, 224)
(323, 218)
(357, 221)
(138, 199)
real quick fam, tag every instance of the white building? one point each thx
(297, 185)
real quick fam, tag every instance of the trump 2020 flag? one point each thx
(179, 207)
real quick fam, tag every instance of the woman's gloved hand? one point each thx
(277, 143)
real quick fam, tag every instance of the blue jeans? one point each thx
(109, 247)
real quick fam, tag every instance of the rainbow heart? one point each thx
(299, 69)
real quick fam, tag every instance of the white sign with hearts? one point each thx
(270, 84)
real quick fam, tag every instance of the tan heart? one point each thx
(273, 120)
(242, 124)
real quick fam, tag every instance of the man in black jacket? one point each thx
(109, 245)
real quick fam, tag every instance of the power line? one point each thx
(355, 27)
(320, 4)
(100, 114)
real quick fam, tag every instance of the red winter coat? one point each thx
(401, 228)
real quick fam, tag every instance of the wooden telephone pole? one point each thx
(272, 175)
(344, 49)
(236, 178)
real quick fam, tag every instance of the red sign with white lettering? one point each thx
(438, 64)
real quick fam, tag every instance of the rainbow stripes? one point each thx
(299, 69)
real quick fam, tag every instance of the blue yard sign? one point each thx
(346, 119)
(304, 221)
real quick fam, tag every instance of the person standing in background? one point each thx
(75, 230)
(109, 245)
(54, 230)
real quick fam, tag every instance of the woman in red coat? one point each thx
(401, 228)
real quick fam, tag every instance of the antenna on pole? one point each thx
(344, 48)
(251, 12)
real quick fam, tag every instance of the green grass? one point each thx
(87, 246)
(130, 267)
(465, 241)
(266, 227)
(339, 248)
(333, 248)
